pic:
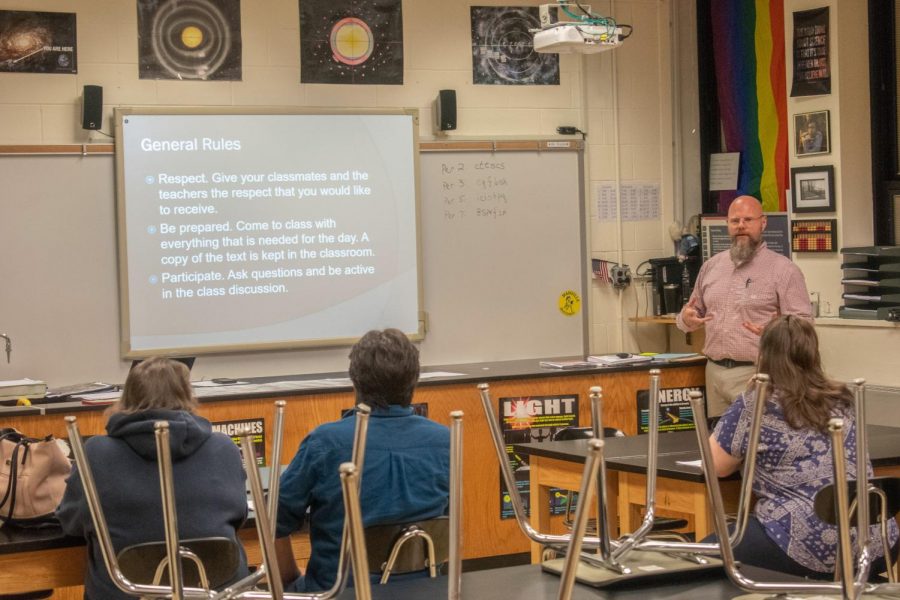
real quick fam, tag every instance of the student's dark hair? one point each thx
(384, 368)
(157, 383)
(789, 354)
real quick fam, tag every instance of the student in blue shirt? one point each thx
(407, 462)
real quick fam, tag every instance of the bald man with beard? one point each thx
(737, 293)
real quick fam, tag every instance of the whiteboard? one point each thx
(491, 285)
(503, 239)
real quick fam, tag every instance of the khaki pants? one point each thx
(723, 385)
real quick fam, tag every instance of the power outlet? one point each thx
(620, 275)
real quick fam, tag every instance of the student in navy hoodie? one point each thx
(210, 494)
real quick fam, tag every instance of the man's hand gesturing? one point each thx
(692, 316)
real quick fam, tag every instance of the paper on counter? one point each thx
(433, 374)
(210, 383)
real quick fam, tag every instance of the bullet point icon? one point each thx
(149, 179)
(151, 229)
(154, 279)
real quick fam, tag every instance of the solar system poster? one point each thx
(674, 409)
(503, 48)
(189, 39)
(531, 419)
(349, 41)
(37, 42)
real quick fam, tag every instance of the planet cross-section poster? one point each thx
(37, 42)
(350, 41)
(189, 39)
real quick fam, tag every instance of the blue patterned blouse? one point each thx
(791, 466)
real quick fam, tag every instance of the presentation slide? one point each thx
(243, 231)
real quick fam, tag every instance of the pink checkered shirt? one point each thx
(769, 283)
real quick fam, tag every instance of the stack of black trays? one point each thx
(871, 280)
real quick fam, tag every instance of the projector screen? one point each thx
(250, 230)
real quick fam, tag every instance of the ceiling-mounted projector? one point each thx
(568, 27)
(585, 39)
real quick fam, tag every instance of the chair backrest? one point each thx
(824, 501)
(219, 559)
(413, 554)
(583, 433)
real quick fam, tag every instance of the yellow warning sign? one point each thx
(569, 303)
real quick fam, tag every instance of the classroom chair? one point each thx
(884, 504)
(852, 581)
(202, 563)
(354, 542)
(408, 547)
(266, 513)
(661, 525)
(211, 562)
(632, 556)
(144, 561)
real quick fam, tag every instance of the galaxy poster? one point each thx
(189, 39)
(503, 48)
(674, 414)
(37, 42)
(351, 41)
(529, 419)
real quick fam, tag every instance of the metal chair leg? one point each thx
(588, 486)
(358, 558)
(454, 583)
(715, 494)
(266, 529)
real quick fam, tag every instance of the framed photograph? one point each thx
(812, 134)
(812, 189)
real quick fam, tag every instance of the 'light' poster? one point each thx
(527, 419)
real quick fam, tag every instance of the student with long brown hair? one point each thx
(794, 458)
(210, 494)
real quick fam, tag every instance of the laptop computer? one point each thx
(188, 361)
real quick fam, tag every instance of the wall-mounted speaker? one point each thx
(92, 107)
(445, 110)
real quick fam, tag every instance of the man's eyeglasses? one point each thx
(742, 220)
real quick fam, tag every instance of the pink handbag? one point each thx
(33, 474)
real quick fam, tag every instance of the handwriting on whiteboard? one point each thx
(474, 190)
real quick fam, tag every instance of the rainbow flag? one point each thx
(748, 41)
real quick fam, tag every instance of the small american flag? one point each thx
(600, 270)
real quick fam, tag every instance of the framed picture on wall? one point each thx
(812, 189)
(814, 235)
(812, 133)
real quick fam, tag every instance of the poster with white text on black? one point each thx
(674, 409)
(812, 70)
(233, 429)
(528, 419)
(37, 42)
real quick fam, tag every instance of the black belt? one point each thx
(729, 363)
